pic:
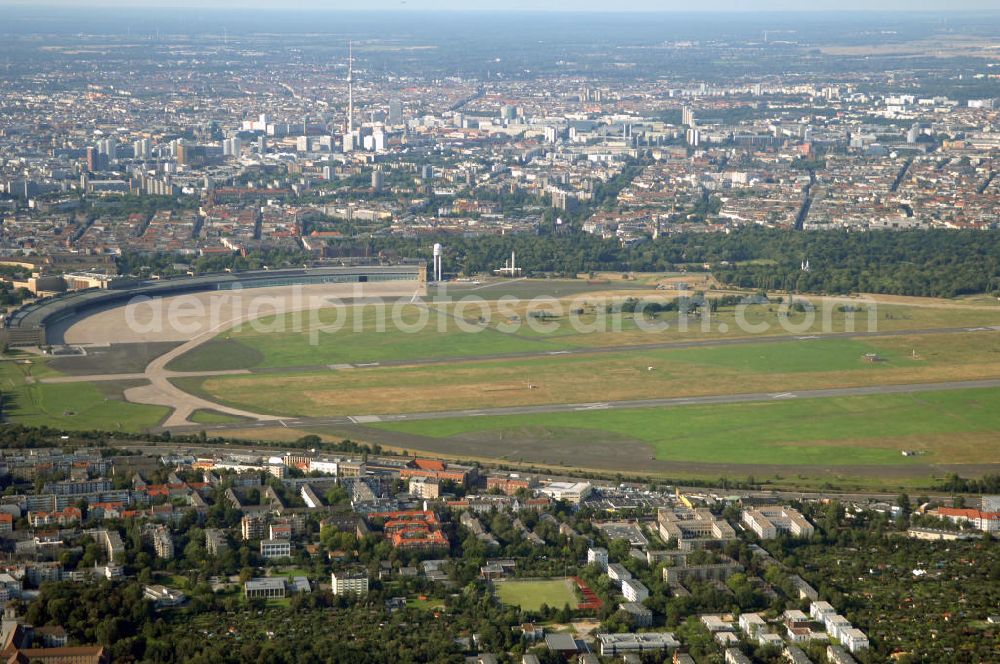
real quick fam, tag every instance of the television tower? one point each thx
(350, 88)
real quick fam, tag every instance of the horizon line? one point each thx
(32, 4)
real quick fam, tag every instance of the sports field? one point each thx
(531, 595)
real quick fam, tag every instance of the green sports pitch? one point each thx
(531, 595)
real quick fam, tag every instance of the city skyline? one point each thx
(491, 332)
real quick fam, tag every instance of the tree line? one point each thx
(929, 263)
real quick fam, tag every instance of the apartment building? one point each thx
(692, 528)
(769, 522)
(349, 583)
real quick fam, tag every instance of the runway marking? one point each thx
(783, 395)
(594, 406)
(498, 283)
(364, 419)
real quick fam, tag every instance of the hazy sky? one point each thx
(545, 5)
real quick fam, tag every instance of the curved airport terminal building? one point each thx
(29, 324)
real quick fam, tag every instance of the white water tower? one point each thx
(438, 255)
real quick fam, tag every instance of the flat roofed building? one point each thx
(275, 548)
(634, 590)
(113, 545)
(836, 624)
(324, 466)
(428, 488)
(820, 609)
(770, 521)
(770, 639)
(215, 541)
(692, 528)
(264, 588)
(751, 623)
(714, 623)
(163, 543)
(853, 639)
(349, 583)
(162, 597)
(561, 642)
(598, 556)
(794, 617)
(719, 571)
(639, 614)
(253, 526)
(280, 531)
(571, 492)
(618, 573)
(617, 644)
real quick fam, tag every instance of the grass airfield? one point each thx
(492, 354)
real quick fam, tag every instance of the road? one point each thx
(770, 494)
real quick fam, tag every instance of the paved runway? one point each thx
(673, 402)
(162, 391)
(586, 350)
